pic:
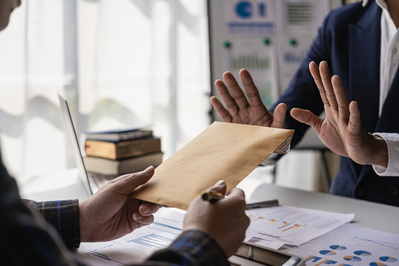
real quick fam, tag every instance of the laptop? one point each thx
(91, 182)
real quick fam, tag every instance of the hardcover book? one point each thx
(119, 134)
(110, 167)
(122, 149)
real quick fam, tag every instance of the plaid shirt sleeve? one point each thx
(191, 248)
(63, 216)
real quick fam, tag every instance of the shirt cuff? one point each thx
(63, 215)
(392, 141)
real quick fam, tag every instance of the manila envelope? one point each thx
(225, 151)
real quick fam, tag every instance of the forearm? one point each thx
(191, 248)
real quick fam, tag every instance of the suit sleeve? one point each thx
(302, 91)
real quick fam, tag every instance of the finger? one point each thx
(238, 95)
(145, 220)
(314, 71)
(228, 100)
(307, 117)
(220, 187)
(326, 79)
(355, 123)
(126, 183)
(250, 88)
(236, 193)
(342, 98)
(279, 116)
(219, 108)
(147, 208)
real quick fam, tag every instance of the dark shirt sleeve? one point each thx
(26, 238)
(63, 215)
(191, 248)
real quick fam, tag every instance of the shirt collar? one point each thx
(381, 3)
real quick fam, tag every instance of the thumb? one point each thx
(220, 187)
(306, 117)
(126, 183)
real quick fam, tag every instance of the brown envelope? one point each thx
(225, 151)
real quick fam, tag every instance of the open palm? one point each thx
(241, 110)
(341, 130)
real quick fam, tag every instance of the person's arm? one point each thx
(25, 238)
(191, 248)
(63, 215)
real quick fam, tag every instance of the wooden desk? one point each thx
(367, 214)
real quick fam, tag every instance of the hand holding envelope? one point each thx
(223, 151)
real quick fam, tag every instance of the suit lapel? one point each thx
(364, 71)
(364, 60)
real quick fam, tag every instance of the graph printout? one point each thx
(294, 226)
(138, 245)
(351, 245)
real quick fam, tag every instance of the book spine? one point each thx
(122, 150)
(100, 149)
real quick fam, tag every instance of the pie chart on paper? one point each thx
(352, 258)
(388, 259)
(362, 253)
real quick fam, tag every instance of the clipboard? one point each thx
(250, 254)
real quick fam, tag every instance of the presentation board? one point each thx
(269, 38)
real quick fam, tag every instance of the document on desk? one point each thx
(225, 151)
(351, 245)
(138, 245)
(293, 226)
(141, 243)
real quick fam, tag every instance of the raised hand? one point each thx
(111, 213)
(341, 130)
(242, 111)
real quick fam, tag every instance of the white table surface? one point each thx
(367, 214)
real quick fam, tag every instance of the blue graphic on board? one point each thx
(244, 9)
(250, 16)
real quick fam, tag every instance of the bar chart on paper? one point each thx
(136, 246)
(292, 225)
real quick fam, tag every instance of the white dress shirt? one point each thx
(389, 62)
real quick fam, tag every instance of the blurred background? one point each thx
(118, 63)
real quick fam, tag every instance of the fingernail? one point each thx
(137, 217)
(148, 170)
(145, 209)
(221, 183)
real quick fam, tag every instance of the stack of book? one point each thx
(117, 152)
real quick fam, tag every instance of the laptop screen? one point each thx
(75, 144)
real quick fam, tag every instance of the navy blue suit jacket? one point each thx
(349, 41)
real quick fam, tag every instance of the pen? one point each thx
(262, 204)
(211, 196)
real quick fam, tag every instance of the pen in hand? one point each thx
(211, 196)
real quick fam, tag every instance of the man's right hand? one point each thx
(341, 130)
(242, 111)
(225, 220)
